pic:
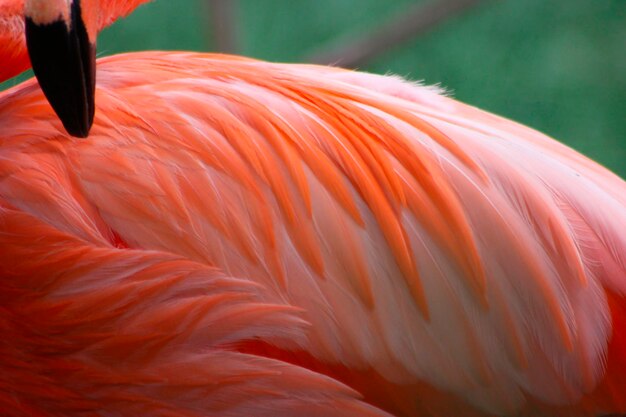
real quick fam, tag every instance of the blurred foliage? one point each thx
(558, 66)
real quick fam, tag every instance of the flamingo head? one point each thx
(61, 42)
(62, 50)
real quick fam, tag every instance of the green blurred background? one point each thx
(556, 65)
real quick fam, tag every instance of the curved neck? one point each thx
(13, 55)
(98, 14)
(108, 11)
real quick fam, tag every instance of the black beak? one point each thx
(64, 62)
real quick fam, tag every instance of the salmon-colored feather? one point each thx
(242, 238)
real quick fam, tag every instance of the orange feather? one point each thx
(242, 238)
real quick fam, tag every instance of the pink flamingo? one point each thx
(240, 238)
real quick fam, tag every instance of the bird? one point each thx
(200, 234)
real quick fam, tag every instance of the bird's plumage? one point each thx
(13, 54)
(230, 223)
(242, 238)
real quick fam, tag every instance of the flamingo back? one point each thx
(241, 218)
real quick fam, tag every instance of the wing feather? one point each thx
(420, 239)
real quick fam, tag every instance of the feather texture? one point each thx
(350, 224)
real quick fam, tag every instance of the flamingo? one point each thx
(242, 238)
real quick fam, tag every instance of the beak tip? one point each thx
(77, 131)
